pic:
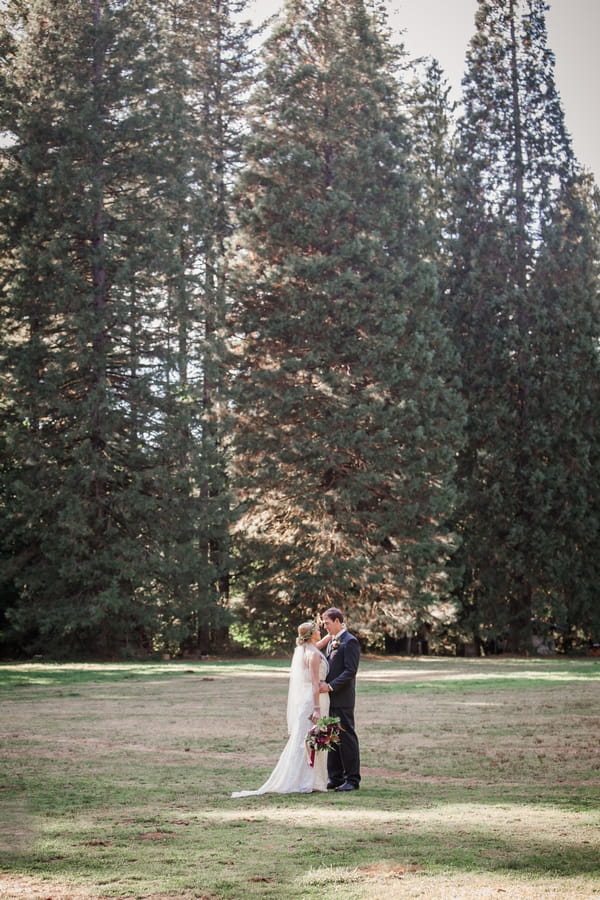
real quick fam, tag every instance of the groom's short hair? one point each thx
(334, 613)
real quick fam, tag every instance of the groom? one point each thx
(343, 654)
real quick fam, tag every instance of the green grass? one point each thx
(71, 675)
(480, 778)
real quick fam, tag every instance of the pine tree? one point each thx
(78, 226)
(524, 330)
(347, 423)
(431, 118)
(566, 384)
(107, 204)
(209, 70)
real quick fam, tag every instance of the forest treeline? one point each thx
(282, 327)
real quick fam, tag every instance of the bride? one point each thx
(293, 773)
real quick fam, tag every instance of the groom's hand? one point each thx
(324, 687)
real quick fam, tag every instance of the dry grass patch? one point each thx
(481, 779)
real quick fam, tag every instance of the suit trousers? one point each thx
(343, 763)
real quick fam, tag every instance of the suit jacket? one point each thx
(343, 665)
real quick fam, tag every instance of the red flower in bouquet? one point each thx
(324, 735)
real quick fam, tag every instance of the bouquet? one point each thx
(324, 735)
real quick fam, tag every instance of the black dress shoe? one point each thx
(333, 785)
(347, 786)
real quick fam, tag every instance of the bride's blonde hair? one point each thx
(305, 632)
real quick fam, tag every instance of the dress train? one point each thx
(293, 773)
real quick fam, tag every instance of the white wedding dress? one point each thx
(293, 773)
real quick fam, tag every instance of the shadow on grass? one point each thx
(47, 675)
(464, 840)
(283, 836)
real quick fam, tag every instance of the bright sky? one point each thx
(443, 29)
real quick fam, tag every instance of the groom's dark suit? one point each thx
(343, 764)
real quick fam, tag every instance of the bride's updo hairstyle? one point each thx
(305, 632)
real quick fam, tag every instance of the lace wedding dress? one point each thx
(293, 774)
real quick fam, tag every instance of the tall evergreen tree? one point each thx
(347, 421)
(106, 200)
(566, 381)
(208, 69)
(431, 117)
(525, 327)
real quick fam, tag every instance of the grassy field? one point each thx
(481, 779)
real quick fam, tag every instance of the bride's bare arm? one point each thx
(323, 642)
(315, 662)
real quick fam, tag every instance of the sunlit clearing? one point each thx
(478, 817)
